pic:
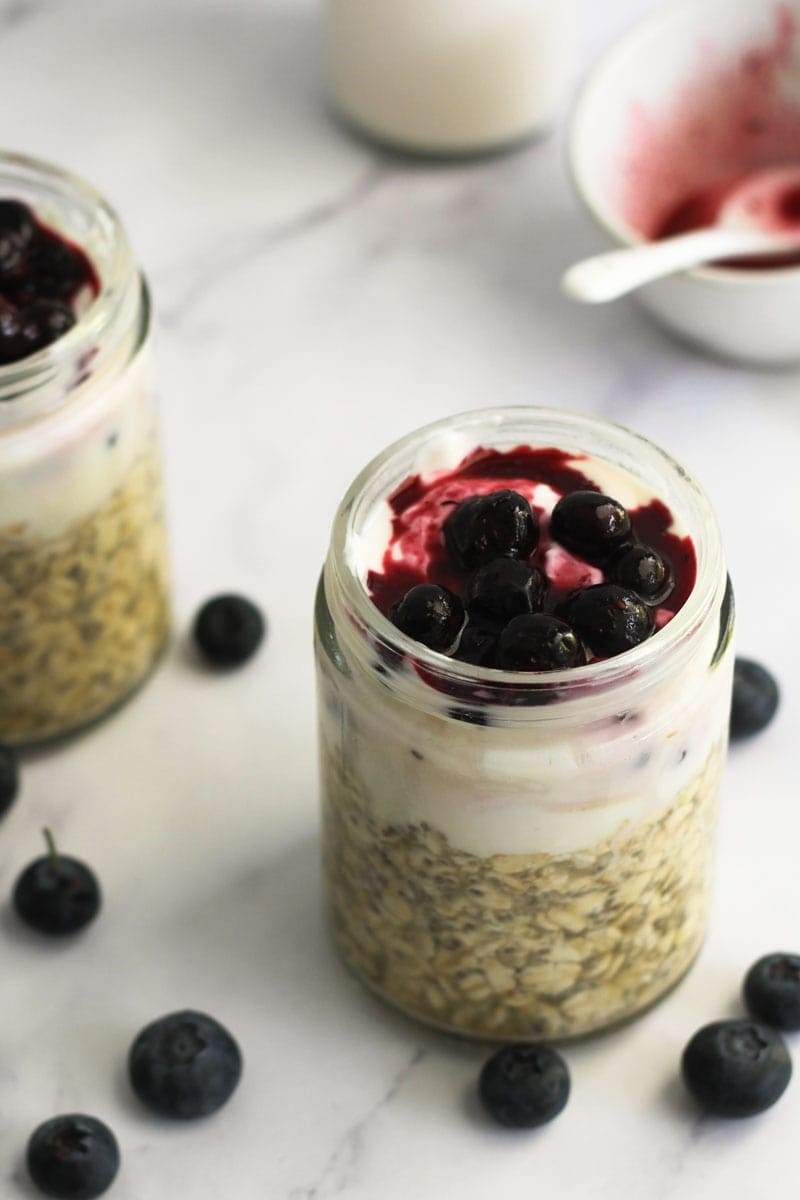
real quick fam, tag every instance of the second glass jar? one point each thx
(83, 556)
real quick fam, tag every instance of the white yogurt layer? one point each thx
(64, 466)
(554, 779)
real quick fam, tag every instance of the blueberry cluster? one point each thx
(40, 274)
(506, 616)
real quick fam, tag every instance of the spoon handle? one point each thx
(608, 276)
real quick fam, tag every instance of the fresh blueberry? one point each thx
(538, 642)
(228, 630)
(755, 698)
(503, 589)
(590, 525)
(494, 526)
(73, 1157)
(524, 1086)
(9, 777)
(608, 618)
(430, 614)
(736, 1068)
(772, 990)
(55, 894)
(478, 645)
(184, 1065)
(643, 571)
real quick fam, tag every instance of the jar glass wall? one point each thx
(521, 855)
(83, 561)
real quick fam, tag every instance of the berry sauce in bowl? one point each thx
(690, 102)
(507, 727)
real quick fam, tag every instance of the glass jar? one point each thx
(83, 563)
(449, 76)
(520, 854)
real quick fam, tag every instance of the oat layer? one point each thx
(519, 946)
(83, 615)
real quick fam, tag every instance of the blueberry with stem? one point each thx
(55, 894)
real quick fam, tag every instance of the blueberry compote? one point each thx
(42, 279)
(528, 532)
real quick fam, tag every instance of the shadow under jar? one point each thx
(520, 854)
(84, 608)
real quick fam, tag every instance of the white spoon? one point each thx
(761, 216)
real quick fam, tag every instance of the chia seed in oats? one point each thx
(84, 614)
(519, 946)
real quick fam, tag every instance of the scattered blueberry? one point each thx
(590, 525)
(228, 630)
(9, 777)
(478, 645)
(524, 1086)
(538, 642)
(736, 1068)
(184, 1065)
(486, 527)
(755, 698)
(610, 619)
(56, 894)
(73, 1157)
(430, 614)
(772, 990)
(643, 571)
(503, 589)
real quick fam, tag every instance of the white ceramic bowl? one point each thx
(666, 81)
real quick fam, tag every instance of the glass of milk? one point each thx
(449, 77)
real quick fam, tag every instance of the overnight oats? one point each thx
(83, 564)
(523, 646)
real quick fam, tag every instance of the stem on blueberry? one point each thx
(52, 849)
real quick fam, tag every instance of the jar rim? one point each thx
(21, 381)
(659, 648)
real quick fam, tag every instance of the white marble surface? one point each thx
(317, 299)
